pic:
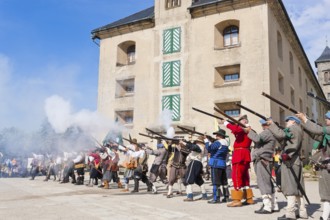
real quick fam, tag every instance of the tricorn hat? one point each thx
(221, 133)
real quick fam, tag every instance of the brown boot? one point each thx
(120, 185)
(236, 196)
(248, 196)
(106, 185)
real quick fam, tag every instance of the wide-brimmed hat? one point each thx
(293, 118)
(243, 117)
(221, 132)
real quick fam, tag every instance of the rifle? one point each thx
(140, 145)
(174, 140)
(257, 114)
(318, 98)
(196, 132)
(206, 113)
(229, 117)
(284, 105)
(280, 103)
(114, 142)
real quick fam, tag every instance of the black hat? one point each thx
(243, 117)
(221, 132)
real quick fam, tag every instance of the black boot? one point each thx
(96, 182)
(285, 218)
(225, 192)
(218, 194)
(149, 184)
(136, 186)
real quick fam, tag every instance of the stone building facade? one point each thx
(203, 53)
(323, 71)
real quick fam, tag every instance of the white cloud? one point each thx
(311, 20)
(22, 94)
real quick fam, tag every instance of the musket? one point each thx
(114, 142)
(284, 105)
(230, 118)
(164, 137)
(151, 137)
(256, 113)
(196, 132)
(280, 103)
(206, 113)
(318, 98)
(301, 189)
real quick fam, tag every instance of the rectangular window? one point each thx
(300, 105)
(230, 108)
(125, 87)
(328, 96)
(171, 73)
(172, 102)
(172, 40)
(124, 117)
(292, 96)
(232, 77)
(226, 74)
(307, 111)
(233, 112)
(306, 85)
(300, 77)
(172, 4)
(280, 83)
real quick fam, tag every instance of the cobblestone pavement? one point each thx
(22, 198)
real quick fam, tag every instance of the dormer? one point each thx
(171, 10)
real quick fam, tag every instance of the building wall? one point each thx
(200, 55)
(291, 80)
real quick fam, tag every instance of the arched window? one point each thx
(226, 34)
(279, 46)
(230, 36)
(126, 53)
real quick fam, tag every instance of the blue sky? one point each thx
(46, 49)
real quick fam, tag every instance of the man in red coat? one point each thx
(240, 164)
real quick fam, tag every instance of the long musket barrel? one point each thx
(151, 137)
(162, 136)
(318, 98)
(280, 103)
(285, 106)
(206, 113)
(229, 117)
(257, 114)
(196, 132)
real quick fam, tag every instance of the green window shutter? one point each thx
(176, 43)
(172, 102)
(167, 72)
(176, 70)
(171, 73)
(172, 40)
(167, 41)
